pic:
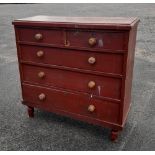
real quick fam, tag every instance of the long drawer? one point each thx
(92, 84)
(49, 99)
(98, 40)
(103, 62)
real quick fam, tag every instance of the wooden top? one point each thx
(79, 22)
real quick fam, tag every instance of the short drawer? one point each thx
(49, 99)
(103, 62)
(52, 36)
(98, 40)
(87, 83)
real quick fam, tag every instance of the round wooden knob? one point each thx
(92, 41)
(41, 74)
(38, 36)
(40, 54)
(42, 97)
(91, 108)
(91, 60)
(91, 84)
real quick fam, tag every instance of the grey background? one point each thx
(48, 131)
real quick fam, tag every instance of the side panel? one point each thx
(129, 72)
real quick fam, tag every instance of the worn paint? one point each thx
(100, 43)
(91, 96)
(99, 90)
(76, 33)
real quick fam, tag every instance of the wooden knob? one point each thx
(38, 36)
(41, 74)
(91, 60)
(42, 97)
(40, 54)
(91, 84)
(92, 41)
(91, 108)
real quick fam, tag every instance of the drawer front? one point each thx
(46, 36)
(105, 62)
(92, 84)
(71, 102)
(98, 40)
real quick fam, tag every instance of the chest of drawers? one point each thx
(79, 67)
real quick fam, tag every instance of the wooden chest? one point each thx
(79, 67)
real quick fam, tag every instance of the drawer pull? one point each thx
(91, 60)
(91, 84)
(38, 36)
(41, 74)
(42, 97)
(92, 41)
(40, 54)
(91, 108)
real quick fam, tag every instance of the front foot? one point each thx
(114, 135)
(30, 112)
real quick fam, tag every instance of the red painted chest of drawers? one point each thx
(79, 67)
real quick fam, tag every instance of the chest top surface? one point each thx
(79, 22)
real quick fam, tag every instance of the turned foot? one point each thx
(30, 111)
(114, 135)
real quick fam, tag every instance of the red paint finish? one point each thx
(71, 102)
(58, 80)
(114, 135)
(75, 38)
(106, 23)
(129, 73)
(49, 36)
(78, 38)
(30, 111)
(105, 62)
(104, 86)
